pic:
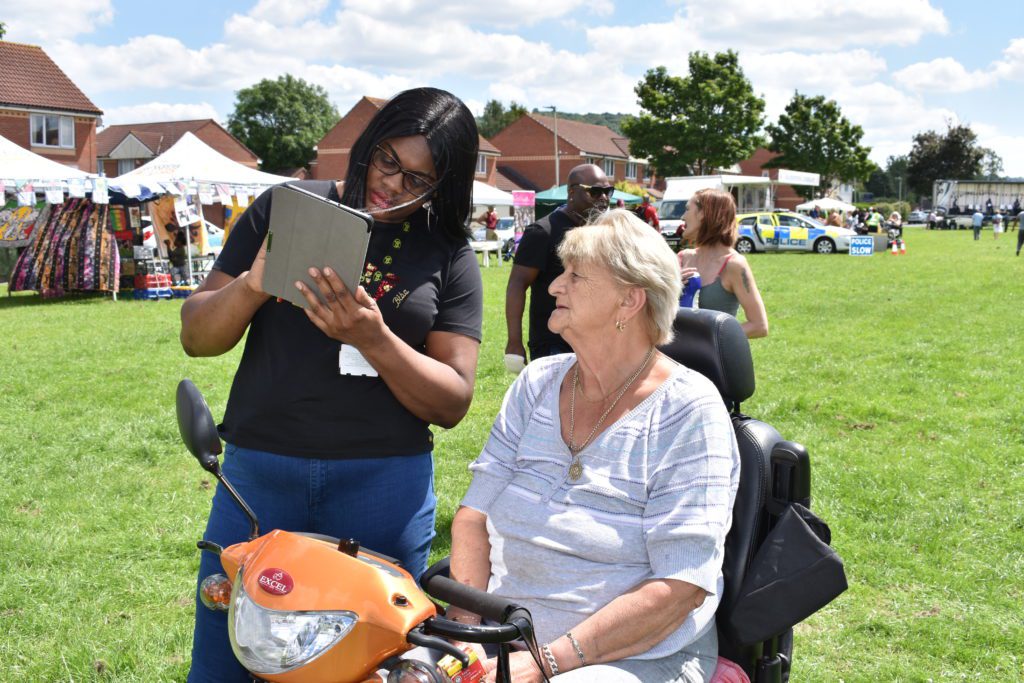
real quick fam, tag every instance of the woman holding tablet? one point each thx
(327, 422)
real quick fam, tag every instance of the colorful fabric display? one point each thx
(73, 250)
(17, 223)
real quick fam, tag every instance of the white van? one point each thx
(754, 193)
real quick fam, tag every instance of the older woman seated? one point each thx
(603, 496)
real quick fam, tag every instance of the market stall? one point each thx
(178, 183)
(60, 233)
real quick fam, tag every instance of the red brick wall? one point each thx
(785, 196)
(222, 141)
(332, 155)
(14, 125)
(528, 148)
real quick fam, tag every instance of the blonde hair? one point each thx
(636, 256)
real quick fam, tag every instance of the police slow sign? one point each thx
(862, 245)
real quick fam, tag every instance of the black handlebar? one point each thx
(436, 582)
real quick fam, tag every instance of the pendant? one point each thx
(576, 468)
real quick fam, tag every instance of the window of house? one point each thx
(125, 166)
(481, 164)
(609, 167)
(53, 130)
(589, 160)
(631, 170)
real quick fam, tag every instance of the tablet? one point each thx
(309, 231)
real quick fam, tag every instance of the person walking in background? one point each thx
(976, 221)
(536, 265)
(710, 221)
(648, 214)
(1020, 231)
(997, 225)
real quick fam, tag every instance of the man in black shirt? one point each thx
(537, 264)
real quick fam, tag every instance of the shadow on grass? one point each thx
(20, 299)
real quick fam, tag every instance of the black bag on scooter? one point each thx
(793, 575)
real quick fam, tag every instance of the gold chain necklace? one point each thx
(576, 468)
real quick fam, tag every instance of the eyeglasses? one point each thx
(596, 191)
(387, 164)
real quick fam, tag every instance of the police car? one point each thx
(787, 231)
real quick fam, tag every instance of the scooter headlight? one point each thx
(268, 641)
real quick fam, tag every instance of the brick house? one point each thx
(528, 158)
(785, 196)
(122, 148)
(332, 152)
(42, 110)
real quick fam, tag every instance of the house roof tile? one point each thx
(29, 78)
(157, 136)
(587, 137)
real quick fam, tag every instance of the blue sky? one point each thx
(896, 67)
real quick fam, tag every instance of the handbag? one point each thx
(794, 574)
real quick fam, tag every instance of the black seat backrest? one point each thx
(715, 345)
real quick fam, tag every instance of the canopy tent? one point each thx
(826, 203)
(560, 195)
(185, 168)
(18, 164)
(488, 195)
(190, 161)
(21, 169)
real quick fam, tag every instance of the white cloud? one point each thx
(1011, 66)
(815, 24)
(1009, 147)
(31, 21)
(944, 74)
(504, 14)
(287, 12)
(159, 111)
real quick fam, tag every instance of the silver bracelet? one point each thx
(552, 664)
(576, 646)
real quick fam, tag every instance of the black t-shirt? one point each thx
(538, 248)
(288, 396)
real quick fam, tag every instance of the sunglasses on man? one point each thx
(596, 191)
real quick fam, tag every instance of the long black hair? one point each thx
(451, 134)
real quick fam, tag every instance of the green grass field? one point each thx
(901, 375)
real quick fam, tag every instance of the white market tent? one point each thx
(20, 165)
(191, 162)
(828, 204)
(488, 195)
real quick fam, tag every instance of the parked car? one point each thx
(788, 231)
(917, 217)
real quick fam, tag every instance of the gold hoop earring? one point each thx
(620, 326)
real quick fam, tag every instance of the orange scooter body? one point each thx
(321, 578)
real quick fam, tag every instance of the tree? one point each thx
(3, 30)
(495, 117)
(878, 183)
(991, 165)
(281, 120)
(954, 155)
(693, 125)
(813, 135)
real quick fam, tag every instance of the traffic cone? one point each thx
(895, 251)
(903, 248)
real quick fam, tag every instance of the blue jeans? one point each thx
(387, 504)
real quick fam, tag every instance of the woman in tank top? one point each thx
(728, 282)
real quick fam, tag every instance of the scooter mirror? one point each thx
(196, 426)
